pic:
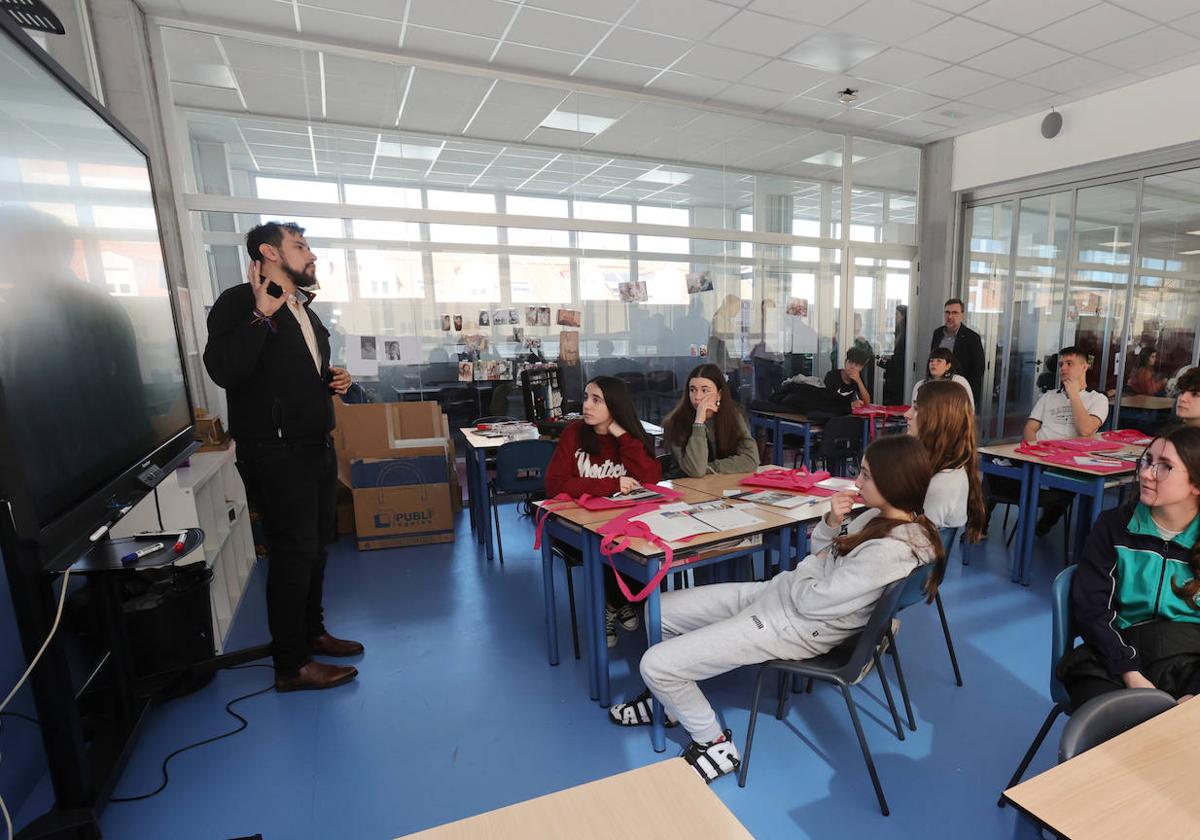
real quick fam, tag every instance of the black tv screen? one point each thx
(91, 380)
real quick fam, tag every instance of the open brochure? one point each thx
(680, 521)
(787, 501)
(838, 485)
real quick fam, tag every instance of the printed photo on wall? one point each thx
(699, 282)
(476, 343)
(391, 350)
(458, 323)
(543, 316)
(531, 316)
(518, 334)
(512, 316)
(632, 291)
(568, 347)
(367, 348)
(568, 318)
(466, 371)
(797, 307)
(485, 318)
(446, 323)
(499, 317)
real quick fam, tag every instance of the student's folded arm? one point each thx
(1094, 605)
(744, 459)
(638, 462)
(561, 477)
(692, 457)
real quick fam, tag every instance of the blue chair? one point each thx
(520, 468)
(844, 666)
(914, 593)
(1107, 716)
(1061, 636)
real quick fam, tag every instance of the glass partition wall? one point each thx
(1110, 266)
(662, 236)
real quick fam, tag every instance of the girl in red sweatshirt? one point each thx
(607, 452)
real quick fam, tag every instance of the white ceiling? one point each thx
(925, 69)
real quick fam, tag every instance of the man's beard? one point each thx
(303, 281)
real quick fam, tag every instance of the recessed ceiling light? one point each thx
(664, 176)
(1189, 253)
(582, 123)
(1114, 244)
(408, 151)
(1193, 232)
(831, 159)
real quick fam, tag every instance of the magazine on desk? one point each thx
(787, 501)
(681, 520)
(638, 494)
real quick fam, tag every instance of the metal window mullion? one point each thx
(1131, 284)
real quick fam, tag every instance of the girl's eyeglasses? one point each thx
(1157, 471)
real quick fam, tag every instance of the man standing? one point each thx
(963, 342)
(271, 355)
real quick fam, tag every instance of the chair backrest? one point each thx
(881, 619)
(494, 418)
(1107, 716)
(914, 584)
(521, 465)
(661, 381)
(841, 441)
(1061, 634)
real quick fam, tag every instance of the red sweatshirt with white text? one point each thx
(574, 472)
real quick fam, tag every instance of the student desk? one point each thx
(662, 801)
(778, 423)
(568, 524)
(1138, 784)
(1034, 473)
(1144, 402)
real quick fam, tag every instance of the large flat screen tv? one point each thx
(92, 388)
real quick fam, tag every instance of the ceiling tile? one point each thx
(757, 33)
(956, 6)
(904, 103)
(684, 84)
(1008, 96)
(1160, 10)
(513, 110)
(955, 82)
(750, 96)
(958, 39)
(520, 57)
(693, 19)
(829, 90)
(820, 14)
(835, 52)
(914, 129)
(1111, 83)
(1153, 46)
(1025, 16)
(609, 10)
(435, 42)
(1170, 66)
(898, 67)
(205, 97)
(600, 106)
(616, 72)
(371, 31)
(786, 76)
(890, 21)
(1095, 27)
(1073, 73)
(1017, 58)
(558, 138)
(637, 47)
(471, 17)
(1189, 24)
(801, 106)
(537, 28)
(719, 63)
(861, 118)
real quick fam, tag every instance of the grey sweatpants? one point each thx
(712, 629)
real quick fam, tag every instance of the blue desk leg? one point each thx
(801, 549)
(588, 620)
(551, 601)
(777, 442)
(658, 733)
(808, 446)
(599, 640)
(472, 490)
(1029, 515)
(485, 504)
(786, 560)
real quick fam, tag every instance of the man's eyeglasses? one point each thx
(1157, 470)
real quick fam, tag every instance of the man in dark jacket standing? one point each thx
(964, 343)
(271, 355)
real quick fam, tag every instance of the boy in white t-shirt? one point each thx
(1073, 410)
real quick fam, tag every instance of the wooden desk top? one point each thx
(477, 441)
(663, 801)
(577, 515)
(1139, 784)
(782, 415)
(1145, 402)
(1009, 450)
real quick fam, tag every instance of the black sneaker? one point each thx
(714, 759)
(637, 712)
(610, 627)
(627, 617)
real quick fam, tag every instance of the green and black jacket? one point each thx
(1124, 579)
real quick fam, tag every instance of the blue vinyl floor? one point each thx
(456, 712)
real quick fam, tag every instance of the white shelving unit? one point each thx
(208, 494)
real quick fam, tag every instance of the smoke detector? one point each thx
(847, 96)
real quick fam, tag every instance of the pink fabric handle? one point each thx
(800, 479)
(1129, 436)
(605, 503)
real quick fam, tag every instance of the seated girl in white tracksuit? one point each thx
(806, 612)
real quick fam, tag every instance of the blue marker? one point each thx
(134, 556)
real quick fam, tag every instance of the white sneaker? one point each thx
(610, 626)
(627, 617)
(714, 759)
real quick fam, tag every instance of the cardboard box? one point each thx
(345, 510)
(396, 462)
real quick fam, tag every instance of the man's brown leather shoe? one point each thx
(315, 676)
(327, 645)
